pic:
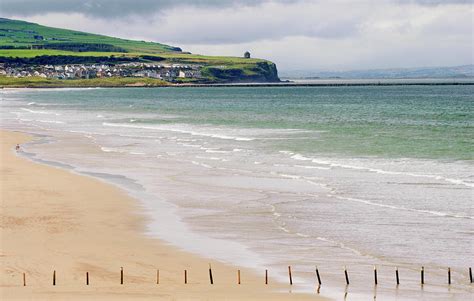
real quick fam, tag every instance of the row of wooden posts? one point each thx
(318, 277)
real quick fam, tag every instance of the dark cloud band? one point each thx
(121, 8)
(111, 8)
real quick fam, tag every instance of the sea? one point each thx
(334, 178)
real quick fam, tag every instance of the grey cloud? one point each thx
(121, 8)
(433, 2)
(112, 8)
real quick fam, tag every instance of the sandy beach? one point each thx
(53, 219)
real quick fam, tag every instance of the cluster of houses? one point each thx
(170, 72)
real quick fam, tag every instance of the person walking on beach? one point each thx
(17, 147)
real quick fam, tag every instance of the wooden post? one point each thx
(87, 278)
(157, 276)
(396, 275)
(210, 275)
(375, 275)
(121, 275)
(238, 276)
(422, 275)
(317, 275)
(449, 276)
(24, 279)
(347, 276)
(185, 277)
(470, 275)
(289, 275)
(54, 277)
(266, 276)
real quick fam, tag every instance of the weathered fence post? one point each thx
(266, 276)
(470, 274)
(289, 275)
(24, 279)
(185, 277)
(121, 275)
(317, 275)
(157, 276)
(449, 275)
(54, 277)
(396, 275)
(347, 276)
(422, 275)
(87, 278)
(375, 275)
(238, 276)
(210, 275)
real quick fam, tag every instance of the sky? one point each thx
(295, 34)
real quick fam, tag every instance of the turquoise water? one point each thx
(270, 176)
(400, 121)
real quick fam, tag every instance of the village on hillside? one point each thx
(167, 72)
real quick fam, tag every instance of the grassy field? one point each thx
(19, 33)
(39, 82)
(170, 57)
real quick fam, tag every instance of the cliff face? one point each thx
(269, 71)
(258, 72)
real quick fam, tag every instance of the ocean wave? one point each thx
(201, 164)
(212, 158)
(309, 180)
(341, 245)
(51, 121)
(431, 212)
(118, 150)
(216, 151)
(190, 132)
(40, 112)
(112, 150)
(300, 157)
(312, 167)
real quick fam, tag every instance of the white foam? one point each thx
(216, 151)
(300, 157)
(40, 112)
(340, 244)
(177, 130)
(212, 158)
(50, 121)
(112, 150)
(432, 212)
(119, 150)
(312, 167)
(201, 164)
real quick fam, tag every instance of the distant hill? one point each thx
(427, 72)
(20, 34)
(23, 42)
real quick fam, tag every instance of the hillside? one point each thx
(25, 45)
(19, 34)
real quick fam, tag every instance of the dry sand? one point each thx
(52, 219)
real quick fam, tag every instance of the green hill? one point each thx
(24, 43)
(20, 34)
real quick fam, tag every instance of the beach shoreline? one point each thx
(52, 221)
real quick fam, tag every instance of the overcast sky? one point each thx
(295, 34)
